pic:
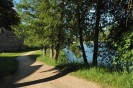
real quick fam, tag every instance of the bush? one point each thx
(76, 50)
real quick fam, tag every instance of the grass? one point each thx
(8, 63)
(106, 78)
(51, 61)
(102, 76)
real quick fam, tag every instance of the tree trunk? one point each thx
(95, 53)
(57, 46)
(56, 53)
(83, 51)
(81, 35)
(44, 51)
(51, 52)
(59, 34)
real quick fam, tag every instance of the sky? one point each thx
(17, 1)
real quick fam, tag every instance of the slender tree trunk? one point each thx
(51, 51)
(44, 51)
(95, 53)
(56, 53)
(59, 34)
(83, 51)
(81, 35)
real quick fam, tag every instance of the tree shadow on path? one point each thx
(24, 70)
(60, 72)
(58, 75)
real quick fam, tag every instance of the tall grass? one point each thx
(105, 77)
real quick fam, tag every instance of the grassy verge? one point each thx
(51, 61)
(8, 63)
(99, 75)
(106, 78)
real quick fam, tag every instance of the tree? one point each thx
(96, 33)
(76, 14)
(80, 29)
(120, 36)
(54, 23)
(35, 26)
(8, 16)
(60, 30)
(46, 23)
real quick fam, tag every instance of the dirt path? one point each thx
(34, 74)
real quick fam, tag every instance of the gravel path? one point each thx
(34, 74)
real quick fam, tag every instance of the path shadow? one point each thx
(50, 70)
(60, 74)
(8, 65)
(26, 70)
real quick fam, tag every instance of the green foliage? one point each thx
(122, 42)
(49, 23)
(8, 16)
(43, 27)
(125, 48)
(76, 49)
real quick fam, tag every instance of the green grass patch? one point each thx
(47, 60)
(51, 61)
(105, 77)
(36, 55)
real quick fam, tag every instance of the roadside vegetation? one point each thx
(50, 61)
(104, 76)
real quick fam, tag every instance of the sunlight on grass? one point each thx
(51, 61)
(106, 78)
